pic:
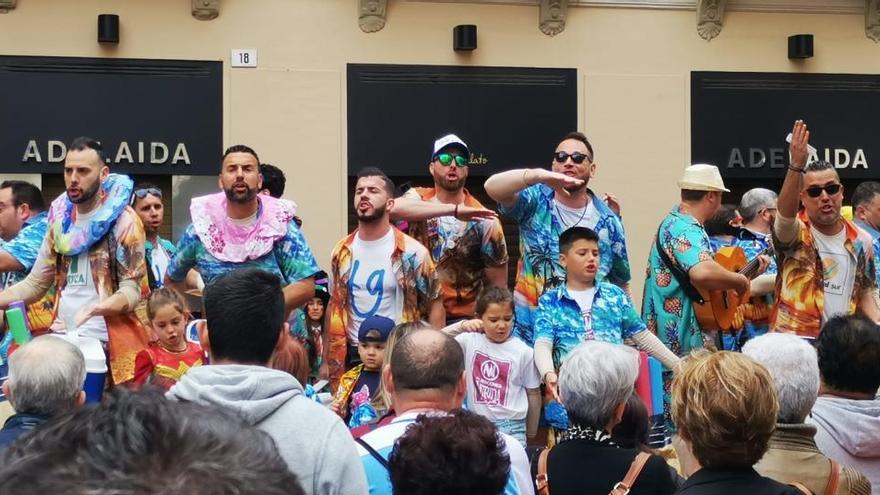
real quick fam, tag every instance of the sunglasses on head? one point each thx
(142, 193)
(576, 157)
(831, 189)
(446, 160)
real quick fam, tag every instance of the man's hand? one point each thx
(612, 202)
(763, 264)
(800, 138)
(99, 309)
(467, 213)
(557, 181)
(324, 371)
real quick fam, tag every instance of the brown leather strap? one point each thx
(833, 480)
(623, 487)
(541, 480)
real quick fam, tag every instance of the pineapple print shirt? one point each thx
(538, 269)
(559, 319)
(666, 309)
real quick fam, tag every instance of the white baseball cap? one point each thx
(450, 140)
(702, 177)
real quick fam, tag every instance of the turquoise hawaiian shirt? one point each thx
(666, 309)
(290, 258)
(24, 247)
(559, 320)
(753, 244)
(538, 268)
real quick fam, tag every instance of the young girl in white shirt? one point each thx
(502, 381)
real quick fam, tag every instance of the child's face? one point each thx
(498, 322)
(315, 309)
(170, 325)
(372, 354)
(581, 261)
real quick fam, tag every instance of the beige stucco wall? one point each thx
(633, 66)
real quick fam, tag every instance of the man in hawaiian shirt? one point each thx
(545, 203)
(376, 270)
(758, 210)
(22, 228)
(667, 310)
(468, 246)
(94, 254)
(238, 227)
(826, 263)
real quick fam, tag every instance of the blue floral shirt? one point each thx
(538, 268)
(559, 320)
(757, 312)
(666, 309)
(290, 258)
(24, 247)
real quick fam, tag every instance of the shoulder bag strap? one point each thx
(376, 455)
(623, 487)
(680, 275)
(834, 479)
(801, 488)
(541, 480)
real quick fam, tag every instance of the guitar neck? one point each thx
(751, 268)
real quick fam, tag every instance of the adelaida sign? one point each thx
(151, 116)
(739, 121)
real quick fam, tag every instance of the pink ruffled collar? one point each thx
(227, 241)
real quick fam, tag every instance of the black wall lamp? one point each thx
(108, 28)
(464, 38)
(800, 46)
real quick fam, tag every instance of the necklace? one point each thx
(559, 215)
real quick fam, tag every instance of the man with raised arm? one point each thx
(825, 262)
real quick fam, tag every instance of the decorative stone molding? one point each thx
(372, 15)
(551, 17)
(710, 17)
(7, 5)
(872, 20)
(205, 10)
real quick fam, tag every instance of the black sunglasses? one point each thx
(576, 157)
(831, 189)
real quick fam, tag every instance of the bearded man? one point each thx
(239, 228)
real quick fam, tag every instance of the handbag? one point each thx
(620, 488)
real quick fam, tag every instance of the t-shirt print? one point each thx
(835, 271)
(490, 380)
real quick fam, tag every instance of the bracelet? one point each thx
(795, 169)
(455, 213)
(525, 182)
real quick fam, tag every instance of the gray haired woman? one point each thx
(595, 381)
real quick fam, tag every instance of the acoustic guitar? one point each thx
(720, 308)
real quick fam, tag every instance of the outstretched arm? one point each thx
(505, 186)
(414, 210)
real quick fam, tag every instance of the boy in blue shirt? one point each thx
(582, 309)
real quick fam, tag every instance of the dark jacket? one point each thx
(586, 467)
(17, 425)
(734, 481)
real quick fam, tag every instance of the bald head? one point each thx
(427, 359)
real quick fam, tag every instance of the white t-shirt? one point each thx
(839, 271)
(576, 217)
(159, 263)
(80, 292)
(372, 283)
(498, 376)
(584, 299)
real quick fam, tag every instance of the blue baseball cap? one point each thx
(372, 324)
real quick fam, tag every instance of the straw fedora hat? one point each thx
(702, 177)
